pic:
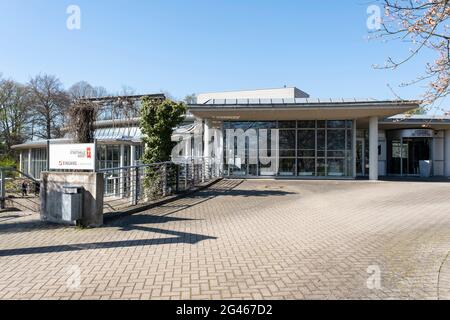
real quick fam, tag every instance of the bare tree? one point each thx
(82, 115)
(167, 94)
(126, 91)
(83, 112)
(424, 25)
(13, 113)
(49, 103)
(83, 89)
(190, 99)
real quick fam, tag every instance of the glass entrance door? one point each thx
(360, 158)
(397, 151)
(405, 154)
(417, 150)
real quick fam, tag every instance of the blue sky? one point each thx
(186, 46)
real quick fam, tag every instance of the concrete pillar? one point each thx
(218, 141)
(122, 155)
(373, 148)
(20, 161)
(29, 163)
(122, 172)
(132, 155)
(206, 147)
(447, 153)
(133, 176)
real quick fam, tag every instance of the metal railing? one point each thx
(145, 183)
(123, 187)
(18, 190)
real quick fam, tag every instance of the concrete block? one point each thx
(52, 190)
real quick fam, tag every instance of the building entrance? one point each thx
(406, 152)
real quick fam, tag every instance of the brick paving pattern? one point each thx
(252, 239)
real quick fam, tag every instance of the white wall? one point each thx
(446, 164)
(282, 93)
(438, 154)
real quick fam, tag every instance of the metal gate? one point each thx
(141, 184)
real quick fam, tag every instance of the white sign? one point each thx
(72, 156)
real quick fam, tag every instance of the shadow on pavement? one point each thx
(223, 188)
(27, 226)
(139, 222)
(131, 223)
(179, 237)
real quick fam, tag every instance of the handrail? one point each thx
(143, 165)
(134, 167)
(18, 171)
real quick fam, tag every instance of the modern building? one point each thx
(247, 132)
(321, 138)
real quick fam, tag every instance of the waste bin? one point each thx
(425, 168)
(72, 203)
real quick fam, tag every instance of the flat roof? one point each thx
(300, 108)
(300, 101)
(38, 143)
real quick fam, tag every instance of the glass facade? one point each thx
(108, 156)
(24, 162)
(299, 148)
(362, 152)
(131, 133)
(38, 162)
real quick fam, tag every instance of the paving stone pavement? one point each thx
(255, 239)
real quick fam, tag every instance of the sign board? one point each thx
(72, 156)
(421, 133)
(411, 133)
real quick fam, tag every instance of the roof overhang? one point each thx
(303, 111)
(42, 144)
(413, 123)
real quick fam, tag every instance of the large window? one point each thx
(306, 144)
(108, 156)
(304, 148)
(24, 164)
(38, 162)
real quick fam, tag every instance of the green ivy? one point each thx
(158, 120)
(8, 162)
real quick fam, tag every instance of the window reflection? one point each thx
(305, 148)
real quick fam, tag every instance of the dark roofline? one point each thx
(417, 120)
(306, 103)
(134, 97)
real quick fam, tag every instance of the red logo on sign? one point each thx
(88, 152)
